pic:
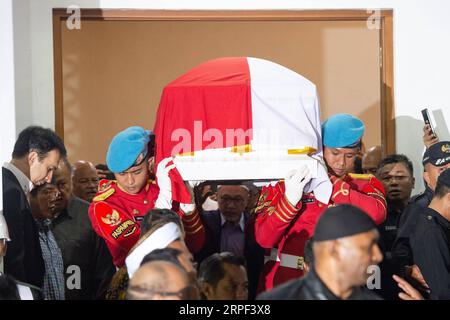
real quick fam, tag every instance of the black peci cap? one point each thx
(342, 221)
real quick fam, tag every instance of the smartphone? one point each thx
(426, 119)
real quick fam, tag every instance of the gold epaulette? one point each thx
(104, 195)
(105, 184)
(367, 176)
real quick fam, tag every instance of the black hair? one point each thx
(34, 192)
(151, 146)
(358, 165)
(441, 189)
(164, 254)
(8, 288)
(397, 158)
(159, 216)
(308, 252)
(37, 139)
(104, 167)
(212, 268)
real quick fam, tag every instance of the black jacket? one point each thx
(388, 232)
(401, 250)
(23, 258)
(430, 243)
(81, 246)
(312, 288)
(253, 253)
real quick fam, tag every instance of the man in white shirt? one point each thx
(4, 236)
(36, 155)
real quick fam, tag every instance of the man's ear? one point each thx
(32, 157)
(151, 164)
(306, 268)
(207, 290)
(447, 196)
(426, 177)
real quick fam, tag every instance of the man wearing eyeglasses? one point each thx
(396, 174)
(231, 229)
(160, 280)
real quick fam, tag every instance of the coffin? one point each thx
(239, 118)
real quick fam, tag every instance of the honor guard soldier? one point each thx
(286, 217)
(120, 205)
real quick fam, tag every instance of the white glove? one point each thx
(295, 182)
(194, 183)
(164, 200)
(187, 208)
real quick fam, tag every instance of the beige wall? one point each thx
(114, 71)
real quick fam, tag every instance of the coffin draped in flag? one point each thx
(240, 118)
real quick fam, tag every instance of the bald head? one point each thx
(371, 159)
(158, 280)
(85, 180)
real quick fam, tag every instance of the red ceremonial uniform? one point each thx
(284, 229)
(116, 216)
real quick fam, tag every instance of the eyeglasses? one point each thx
(398, 178)
(237, 200)
(186, 293)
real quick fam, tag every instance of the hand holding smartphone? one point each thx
(429, 133)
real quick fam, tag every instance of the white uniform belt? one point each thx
(286, 260)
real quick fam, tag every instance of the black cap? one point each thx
(444, 178)
(438, 154)
(342, 221)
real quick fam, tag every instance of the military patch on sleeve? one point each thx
(114, 224)
(112, 219)
(262, 203)
(104, 195)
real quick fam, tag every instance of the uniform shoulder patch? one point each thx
(361, 176)
(104, 185)
(104, 195)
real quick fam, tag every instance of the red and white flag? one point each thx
(264, 102)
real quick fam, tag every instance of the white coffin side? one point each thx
(226, 165)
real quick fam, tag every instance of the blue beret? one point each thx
(126, 147)
(342, 131)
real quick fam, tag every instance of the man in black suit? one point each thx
(231, 229)
(36, 155)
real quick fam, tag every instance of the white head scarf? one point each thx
(159, 239)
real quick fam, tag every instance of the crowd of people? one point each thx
(82, 231)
